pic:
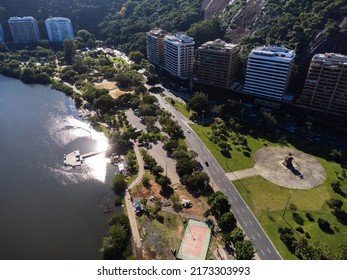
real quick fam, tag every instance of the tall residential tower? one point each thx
(24, 30)
(268, 71)
(59, 29)
(155, 46)
(2, 35)
(216, 64)
(179, 55)
(325, 89)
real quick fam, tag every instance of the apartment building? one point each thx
(24, 29)
(179, 55)
(325, 89)
(216, 64)
(155, 46)
(59, 29)
(2, 34)
(268, 71)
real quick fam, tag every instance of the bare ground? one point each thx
(115, 92)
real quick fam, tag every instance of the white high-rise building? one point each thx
(59, 29)
(179, 55)
(268, 71)
(2, 35)
(24, 30)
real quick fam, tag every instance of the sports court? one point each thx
(195, 241)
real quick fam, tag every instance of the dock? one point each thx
(76, 159)
(73, 159)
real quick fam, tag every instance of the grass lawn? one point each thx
(238, 161)
(268, 203)
(180, 107)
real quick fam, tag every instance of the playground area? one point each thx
(195, 241)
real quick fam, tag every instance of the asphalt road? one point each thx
(264, 247)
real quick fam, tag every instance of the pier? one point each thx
(76, 159)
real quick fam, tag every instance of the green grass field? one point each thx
(180, 107)
(268, 201)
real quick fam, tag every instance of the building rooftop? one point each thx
(330, 57)
(57, 19)
(218, 44)
(179, 38)
(157, 32)
(274, 51)
(28, 18)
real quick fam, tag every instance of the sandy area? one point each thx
(112, 87)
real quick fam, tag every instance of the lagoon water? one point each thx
(47, 210)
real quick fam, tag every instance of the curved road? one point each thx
(250, 225)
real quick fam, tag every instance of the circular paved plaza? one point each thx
(305, 171)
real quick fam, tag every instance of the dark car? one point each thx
(206, 163)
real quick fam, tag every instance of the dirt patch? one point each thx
(306, 172)
(115, 92)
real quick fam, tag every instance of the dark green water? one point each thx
(47, 210)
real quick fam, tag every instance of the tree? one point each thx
(145, 182)
(219, 204)
(237, 235)
(115, 243)
(104, 103)
(198, 103)
(334, 203)
(244, 250)
(136, 56)
(118, 184)
(69, 50)
(196, 182)
(184, 166)
(164, 181)
(227, 222)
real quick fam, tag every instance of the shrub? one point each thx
(309, 217)
(118, 200)
(299, 229)
(298, 219)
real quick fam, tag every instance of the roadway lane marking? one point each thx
(243, 210)
(268, 250)
(259, 235)
(237, 211)
(253, 237)
(262, 252)
(245, 223)
(235, 198)
(250, 222)
(218, 181)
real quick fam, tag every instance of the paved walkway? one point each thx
(237, 175)
(130, 207)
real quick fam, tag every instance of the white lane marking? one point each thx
(237, 211)
(259, 235)
(250, 222)
(253, 237)
(245, 223)
(235, 198)
(218, 181)
(268, 249)
(243, 210)
(262, 252)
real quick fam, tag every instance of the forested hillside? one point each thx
(128, 26)
(85, 14)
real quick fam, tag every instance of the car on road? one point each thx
(206, 163)
(188, 130)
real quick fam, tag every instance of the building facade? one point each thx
(216, 64)
(155, 46)
(325, 89)
(179, 55)
(59, 29)
(268, 71)
(2, 34)
(24, 30)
